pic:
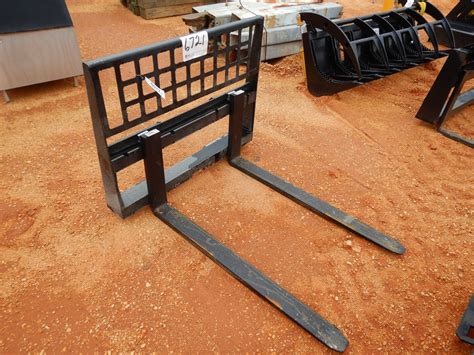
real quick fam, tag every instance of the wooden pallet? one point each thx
(152, 9)
(133, 7)
(149, 4)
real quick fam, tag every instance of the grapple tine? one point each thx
(323, 23)
(434, 12)
(408, 28)
(370, 32)
(397, 40)
(426, 25)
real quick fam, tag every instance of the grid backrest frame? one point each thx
(235, 56)
(118, 153)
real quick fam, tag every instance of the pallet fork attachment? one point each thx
(445, 97)
(229, 64)
(343, 54)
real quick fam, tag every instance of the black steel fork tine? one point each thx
(237, 101)
(254, 279)
(246, 273)
(317, 205)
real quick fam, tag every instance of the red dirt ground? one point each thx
(75, 277)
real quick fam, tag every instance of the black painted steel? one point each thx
(301, 197)
(343, 54)
(117, 131)
(461, 19)
(118, 149)
(445, 97)
(465, 330)
(236, 117)
(258, 282)
(318, 206)
(154, 168)
(148, 145)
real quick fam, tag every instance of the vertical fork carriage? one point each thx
(226, 63)
(343, 54)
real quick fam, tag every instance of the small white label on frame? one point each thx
(409, 3)
(194, 45)
(154, 87)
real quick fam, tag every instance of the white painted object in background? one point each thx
(282, 35)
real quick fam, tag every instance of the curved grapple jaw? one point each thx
(343, 54)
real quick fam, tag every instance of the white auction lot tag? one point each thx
(194, 45)
(154, 87)
(409, 3)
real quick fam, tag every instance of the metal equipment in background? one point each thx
(465, 330)
(281, 35)
(343, 54)
(38, 44)
(123, 139)
(446, 97)
(461, 19)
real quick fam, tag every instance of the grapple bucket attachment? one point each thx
(446, 97)
(347, 53)
(461, 19)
